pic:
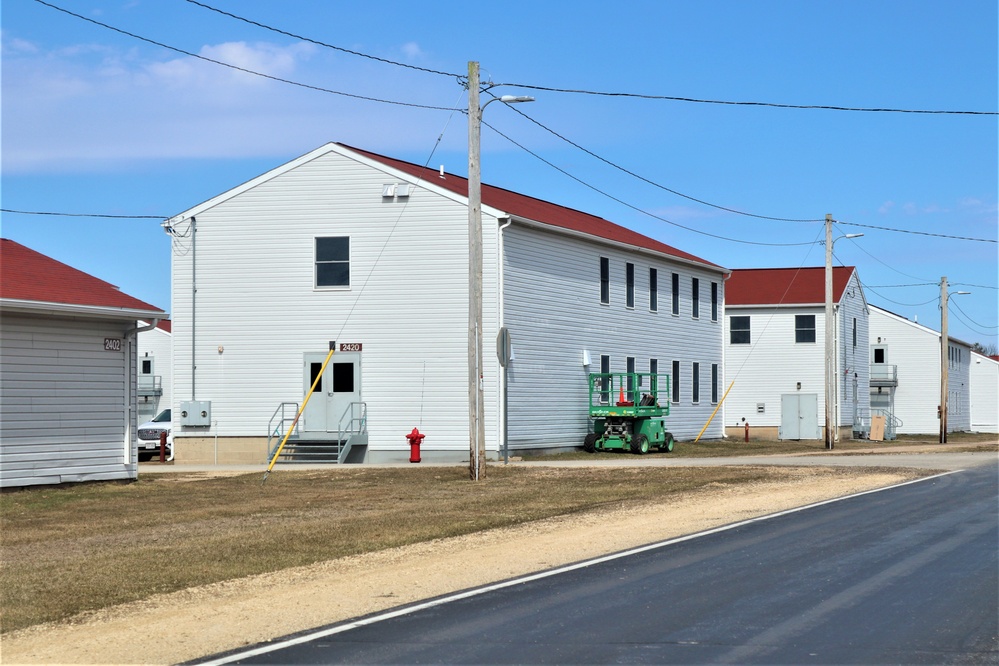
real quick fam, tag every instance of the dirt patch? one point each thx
(204, 620)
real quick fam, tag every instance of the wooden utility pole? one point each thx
(830, 350)
(944, 370)
(476, 406)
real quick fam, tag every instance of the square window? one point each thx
(333, 261)
(738, 330)
(804, 328)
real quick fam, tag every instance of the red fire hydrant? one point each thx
(414, 445)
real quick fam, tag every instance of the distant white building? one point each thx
(371, 253)
(905, 376)
(154, 370)
(775, 352)
(68, 395)
(984, 374)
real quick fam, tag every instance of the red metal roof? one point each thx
(536, 209)
(27, 275)
(784, 286)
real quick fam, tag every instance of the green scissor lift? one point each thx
(626, 413)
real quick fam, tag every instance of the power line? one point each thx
(918, 233)
(655, 184)
(893, 286)
(976, 286)
(318, 43)
(732, 103)
(628, 205)
(240, 69)
(954, 303)
(121, 217)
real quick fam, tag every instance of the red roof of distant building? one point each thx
(784, 286)
(27, 275)
(536, 209)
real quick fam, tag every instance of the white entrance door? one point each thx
(330, 401)
(799, 416)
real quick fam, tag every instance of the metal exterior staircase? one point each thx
(347, 445)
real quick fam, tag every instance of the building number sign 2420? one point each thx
(350, 346)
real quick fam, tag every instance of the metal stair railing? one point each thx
(277, 425)
(354, 421)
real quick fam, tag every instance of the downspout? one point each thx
(724, 362)
(500, 258)
(194, 295)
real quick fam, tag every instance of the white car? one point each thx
(149, 436)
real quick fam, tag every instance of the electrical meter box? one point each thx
(196, 413)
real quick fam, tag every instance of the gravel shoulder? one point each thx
(200, 621)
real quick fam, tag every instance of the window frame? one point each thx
(629, 279)
(675, 295)
(714, 301)
(605, 388)
(748, 330)
(653, 290)
(316, 263)
(714, 383)
(675, 378)
(604, 280)
(801, 331)
(695, 298)
(695, 382)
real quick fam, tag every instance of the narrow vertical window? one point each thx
(676, 381)
(714, 301)
(804, 328)
(695, 297)
(676, 293)
(631, 378)
(714, 383)
(695, 383)
(604, 280)
(605, 380)
(629, 277)
(653, 290)
(854, 332)
(654, 371)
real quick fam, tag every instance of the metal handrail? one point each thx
(276, 431)
(346, 427)
(883, 372)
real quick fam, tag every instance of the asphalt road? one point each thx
(905, 575)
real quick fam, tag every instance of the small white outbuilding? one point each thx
(68, 393)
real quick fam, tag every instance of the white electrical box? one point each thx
(196, 413)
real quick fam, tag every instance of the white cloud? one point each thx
(886, 207)
(412, 50)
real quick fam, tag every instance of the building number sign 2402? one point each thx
(112, 344)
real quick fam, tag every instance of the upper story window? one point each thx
(653, 290)
(333, 261)
(738, 330)
(604, 280)
(695, 298)
(629, 277)
(804, 328)
(854, 332)
(676, 293)
(714, 301)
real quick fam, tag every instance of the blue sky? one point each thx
(95, 121)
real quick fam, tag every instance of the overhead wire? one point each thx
(631, 206)
(101, 215)
(323, 44)
(776, 105)
(958, 307)
(237, 67)
(918, 233)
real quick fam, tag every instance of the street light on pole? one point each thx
(830, 350)
(476, 403)
(944, 356)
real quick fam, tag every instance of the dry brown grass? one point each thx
(89, 546)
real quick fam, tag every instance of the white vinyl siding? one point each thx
(65, 402)
(984, 376)
(156, 344)
(256, 298)
(915, 350)
(552, 320)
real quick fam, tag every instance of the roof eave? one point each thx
(95, 311)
